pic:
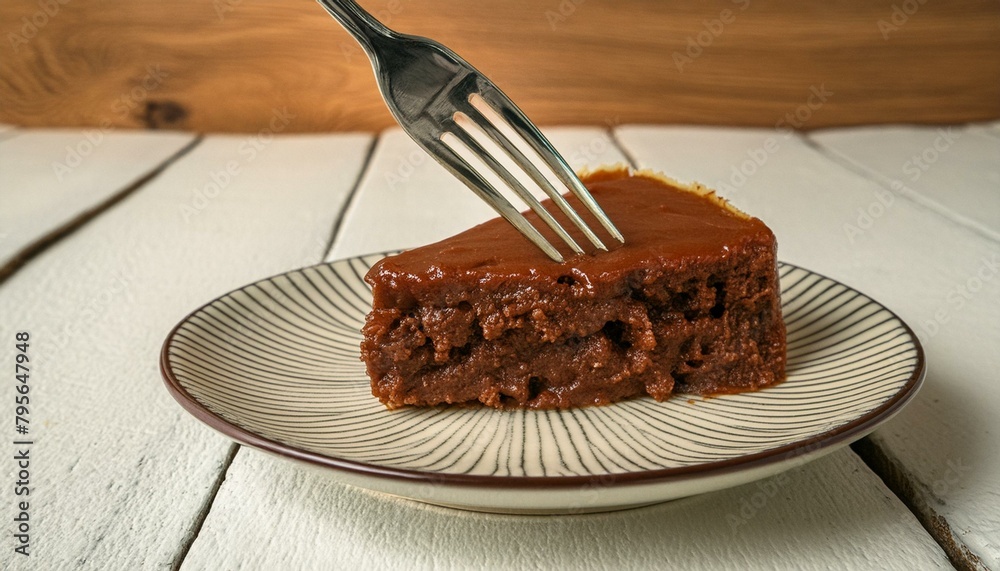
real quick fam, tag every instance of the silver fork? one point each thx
(432, 91)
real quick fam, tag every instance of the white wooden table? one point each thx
(108, 239)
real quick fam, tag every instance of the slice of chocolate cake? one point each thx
(689, 304)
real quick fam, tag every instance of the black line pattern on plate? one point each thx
(279, 359)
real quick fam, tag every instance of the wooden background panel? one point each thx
(231, 65)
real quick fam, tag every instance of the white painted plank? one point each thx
(122, 470)
(954, 170)
(849, 514)
(48, 177)
(941, 277)
(9, 133)
(407, 199)
(834, 512)
(989, 128)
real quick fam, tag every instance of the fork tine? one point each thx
(421, 82)
(466, 137)
(536, 175)
(526, 129)
(487, 192)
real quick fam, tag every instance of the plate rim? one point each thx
(829, 440)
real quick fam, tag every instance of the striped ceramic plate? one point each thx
(275, 365)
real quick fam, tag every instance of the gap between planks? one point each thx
(891, 474)
(876, 460)
(613, 136)
(335, 232)
(199, 521)
(44, 242)
(234, 447)
(940, 211)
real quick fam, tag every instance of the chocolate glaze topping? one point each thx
(661, 225)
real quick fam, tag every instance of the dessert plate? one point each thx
(275, 365)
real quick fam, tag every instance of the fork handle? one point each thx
(362, 25)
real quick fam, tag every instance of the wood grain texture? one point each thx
(54, 180)
(954, 172)
(833, 513)
(229, 65)
(937, 274)
(123, 473)
(270, 511)
(928, 165)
